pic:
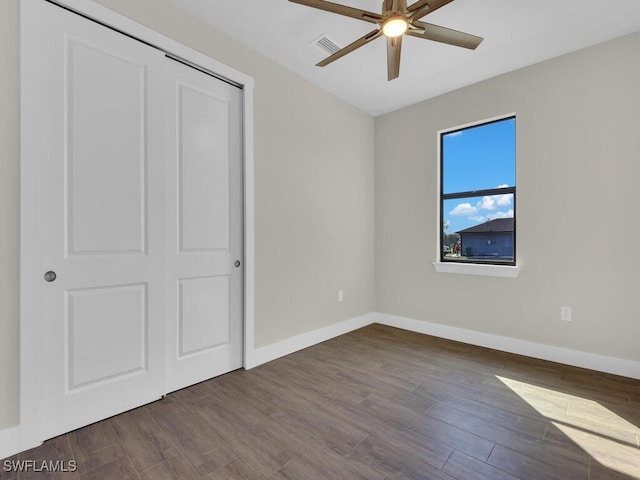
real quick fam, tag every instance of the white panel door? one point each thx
(103, 223)
(204, 247)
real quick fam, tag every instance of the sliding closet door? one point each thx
(103, 230)
(204, 245)
(141, 234)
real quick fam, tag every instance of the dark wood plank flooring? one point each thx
(378, 403)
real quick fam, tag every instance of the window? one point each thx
(478, 193)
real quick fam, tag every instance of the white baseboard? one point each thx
(290, 345)
(9, 442)
(601, 363)
(592, 361)
(10, 437)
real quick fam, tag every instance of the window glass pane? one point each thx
(480, 157)
(479, 228)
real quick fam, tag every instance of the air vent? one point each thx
(325, 44)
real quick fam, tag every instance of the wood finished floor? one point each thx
(378, 403)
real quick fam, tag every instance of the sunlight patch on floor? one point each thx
(609, 453)
(608, 438)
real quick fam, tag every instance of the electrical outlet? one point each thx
(565, 314)
(340, 295)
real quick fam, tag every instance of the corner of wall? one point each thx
(285, 347)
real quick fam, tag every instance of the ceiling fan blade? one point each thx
(351, 47)
(445, 35)
(423, 7)
(341, 10)
(394, 47)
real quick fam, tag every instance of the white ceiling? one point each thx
(516, 33)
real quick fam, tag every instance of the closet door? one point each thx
(204, 245)
(103, 233)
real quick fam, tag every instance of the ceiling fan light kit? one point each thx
(395, 26)
(396, 20)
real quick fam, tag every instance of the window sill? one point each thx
(507, 271)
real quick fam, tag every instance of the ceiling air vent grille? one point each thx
(325, 44)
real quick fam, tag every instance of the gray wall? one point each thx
(9, 213)
(578, 169)
(314, 200)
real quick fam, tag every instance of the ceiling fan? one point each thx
(396, 20)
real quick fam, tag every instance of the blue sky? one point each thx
(478, 158)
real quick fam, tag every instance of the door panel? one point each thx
(200, 300)
(204, 169)
(204, 288)
(92, 314)
(103, 228)
(106, 169)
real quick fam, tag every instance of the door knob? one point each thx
(50, 276)
(237, 263)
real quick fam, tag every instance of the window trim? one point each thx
(487, 270)
(476, 267)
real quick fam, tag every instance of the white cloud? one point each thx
(478, 219)
(487, 203)
(494, 201)
(507, 214)
(464, 209)
(504, 200)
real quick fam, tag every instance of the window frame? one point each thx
(442, 197)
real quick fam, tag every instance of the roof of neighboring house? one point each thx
(497, 225)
